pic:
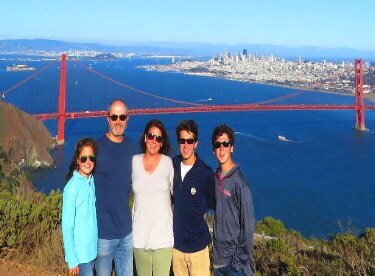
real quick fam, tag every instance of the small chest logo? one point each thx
(226, 192)
(193, 191)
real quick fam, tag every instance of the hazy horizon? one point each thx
(147, 43)
(291, 23)
(198, 50)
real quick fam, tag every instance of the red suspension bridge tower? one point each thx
(359, 105)
(62, 101)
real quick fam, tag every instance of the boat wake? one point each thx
(256, 138)
(205, 100)
(282, 138)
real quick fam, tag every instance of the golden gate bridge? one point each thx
(188, 107)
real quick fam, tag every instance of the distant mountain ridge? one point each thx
(185, 49)
(47, 45)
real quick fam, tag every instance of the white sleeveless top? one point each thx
(152, 213)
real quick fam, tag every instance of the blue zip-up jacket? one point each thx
(234, 222)
(79, 225)
(192, 198)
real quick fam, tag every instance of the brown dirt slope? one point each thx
(8, 268)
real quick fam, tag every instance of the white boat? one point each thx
(281, 138)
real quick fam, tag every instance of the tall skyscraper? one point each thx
(244, 52)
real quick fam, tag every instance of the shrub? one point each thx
(14, 217)
(270, 226)
(31, 227)
(344, 239)
(369, 236)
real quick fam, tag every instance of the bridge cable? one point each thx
(287, 96)
(135, 89)
(28, 78)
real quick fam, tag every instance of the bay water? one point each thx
(319, 180)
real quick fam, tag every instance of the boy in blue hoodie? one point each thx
(234, 219)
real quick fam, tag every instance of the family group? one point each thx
(166, 228)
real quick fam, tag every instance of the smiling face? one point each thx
(223, 154)
(187, 150)
(116, 124)
(152, 140)
(85, 167)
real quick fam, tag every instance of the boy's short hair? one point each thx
(220, 130)
(189, 126)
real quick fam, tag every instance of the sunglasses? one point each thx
(190, 141)
(151, 136)
(225, 144)
(83, 158)
(114, 117)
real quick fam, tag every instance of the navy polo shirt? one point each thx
(192, 198)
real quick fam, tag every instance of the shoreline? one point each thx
(367, 96)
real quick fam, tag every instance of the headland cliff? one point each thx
(24, 139)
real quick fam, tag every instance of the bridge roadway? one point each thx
(208, 108)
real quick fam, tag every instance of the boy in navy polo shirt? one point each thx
(194, 194)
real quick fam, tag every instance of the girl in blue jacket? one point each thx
(79, 225)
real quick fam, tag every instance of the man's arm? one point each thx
(210, 190)
(247, 225)
(68, 224)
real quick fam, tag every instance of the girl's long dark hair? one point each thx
(85, 142)
(166, 147)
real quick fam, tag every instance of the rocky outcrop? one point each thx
(23, 138)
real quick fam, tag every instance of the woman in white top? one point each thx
(152, 180)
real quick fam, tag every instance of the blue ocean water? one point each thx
(320, 181)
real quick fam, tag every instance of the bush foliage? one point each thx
(288, 253)
(29, 221)
(32, 226)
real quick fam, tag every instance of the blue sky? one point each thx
(326, 23)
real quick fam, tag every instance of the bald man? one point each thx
(112, 182)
